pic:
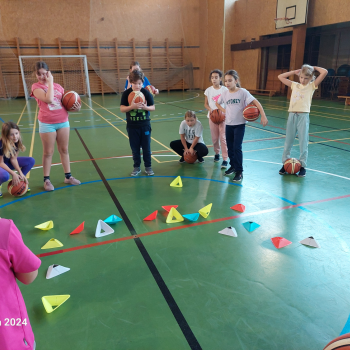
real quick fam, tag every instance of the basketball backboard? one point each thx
(290, 13)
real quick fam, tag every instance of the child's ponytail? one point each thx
(235, 75)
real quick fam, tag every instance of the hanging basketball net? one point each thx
(286, 19)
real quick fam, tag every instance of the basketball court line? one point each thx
(174, 308)
(33, 138)
(175, 228)
(313, 104)
(20, 117)
(125, 122)
(311, 113)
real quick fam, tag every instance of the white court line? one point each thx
(76, 121)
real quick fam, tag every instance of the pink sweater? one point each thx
(51, 113)
(15, 256)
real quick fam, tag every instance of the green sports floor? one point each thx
(158, 286)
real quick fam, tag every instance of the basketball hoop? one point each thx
(286, 19)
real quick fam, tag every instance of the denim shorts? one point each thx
(44, 127)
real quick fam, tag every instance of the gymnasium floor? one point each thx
(152, 285)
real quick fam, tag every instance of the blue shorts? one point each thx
(44, 127)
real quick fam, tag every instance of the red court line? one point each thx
(189, 225)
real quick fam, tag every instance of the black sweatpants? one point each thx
(200, 148)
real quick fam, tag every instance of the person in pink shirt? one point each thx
(16, 262)
(53, 123)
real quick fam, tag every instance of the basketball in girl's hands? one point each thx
(190, 158)
(342, 343)
(136, 97)
(216, 116)
(71, 101)
(18, 190)
(251, 113)
(151, 89)
(292, 166)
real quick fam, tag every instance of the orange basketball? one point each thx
(216, 116)
(151, 89)
(251, 113)
(342, 343)
(71, 101)
(136, 97)
(190, 158)
(292, 166)
(18, 190)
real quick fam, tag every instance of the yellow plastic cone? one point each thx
(52, 302)
(206, 210)
(48, 225)
(52, 243)
(174, 213)
(177, 182)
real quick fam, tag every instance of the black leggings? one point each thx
(200, 148)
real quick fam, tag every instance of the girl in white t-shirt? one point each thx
(299, 109)
(191, 138)
(236, 99)
(217, 131)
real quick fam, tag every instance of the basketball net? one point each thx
(286, 19)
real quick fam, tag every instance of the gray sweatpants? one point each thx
(297, 123)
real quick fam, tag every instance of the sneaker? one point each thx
(200, 160)
(28, 190)
(182, 160)
(282, 171)
(136, 171)
(48, 186)
(149, 171)
(230, 171)
(217, 158)
(238, 177)
(224, 164)
(302, 172)
(72, 181)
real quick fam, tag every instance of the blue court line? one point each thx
(2, 120)
(116, 178)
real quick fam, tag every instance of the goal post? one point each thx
(70, 71)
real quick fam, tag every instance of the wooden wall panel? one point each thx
(245, 63)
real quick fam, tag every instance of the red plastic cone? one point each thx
(239, 207)
(280, 242)
(78, 229)
(151, 216)
(168, 207)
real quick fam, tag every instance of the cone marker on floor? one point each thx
(103, 229)
(177, 182)
(311, 242)
(113, 219)
(191, 217)
(250, 226)
(48, 225)
(174, 213)
(53, 302)
(78, 229)
(52, 243)
(55, 270)
(229, 231)
(280, 242)
(239, 207)
(151, 217)
(205, 211)
(168, 207)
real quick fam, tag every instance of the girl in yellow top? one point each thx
(299, 109)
